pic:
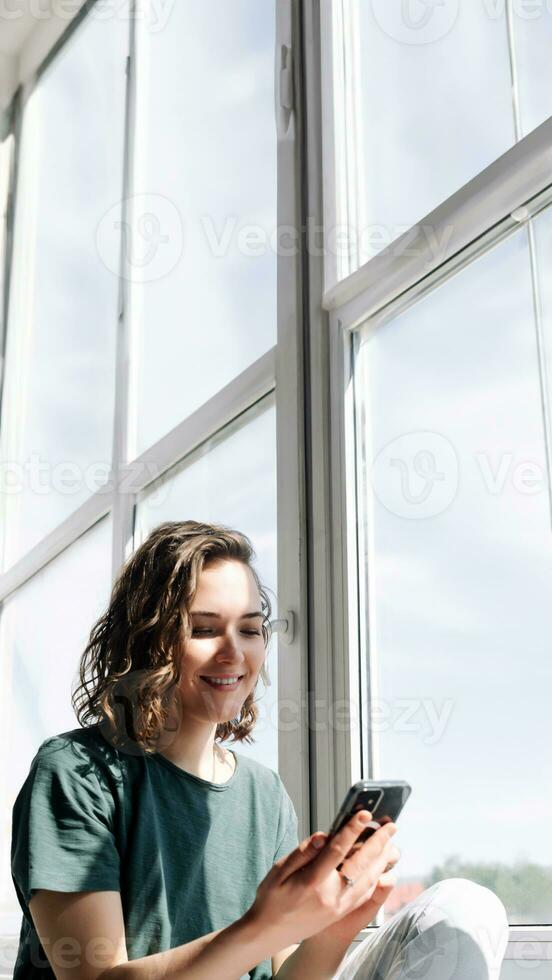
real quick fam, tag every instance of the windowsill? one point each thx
(536, 940)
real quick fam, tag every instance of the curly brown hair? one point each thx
(130, 670)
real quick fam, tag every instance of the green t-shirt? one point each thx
(186, 854)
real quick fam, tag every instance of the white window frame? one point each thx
(522, 177)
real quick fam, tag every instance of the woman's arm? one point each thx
(301, 896)
(83, 936)
(225, 954)
(314, 959)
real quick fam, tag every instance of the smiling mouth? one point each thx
(223, 684)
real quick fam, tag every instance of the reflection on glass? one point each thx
(203, 265)
(231, 480)
(44, 628)
(58, 407)
(458, 563)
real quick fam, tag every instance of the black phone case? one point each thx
(384, 798)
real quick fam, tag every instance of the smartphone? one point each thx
(383, 798)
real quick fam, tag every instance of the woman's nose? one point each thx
(230, 646)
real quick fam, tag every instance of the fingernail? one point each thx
(365, 818)
(318, 842)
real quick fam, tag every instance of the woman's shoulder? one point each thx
(73, 771)
(68, 748)
(80, 755)
(261, 774)
(63, 819)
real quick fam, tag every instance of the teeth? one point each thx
(211, 680)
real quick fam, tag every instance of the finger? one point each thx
(378, 897)
(392, 858)
(387, 880)
(382, 891)
(358, 845)
(301, 856)
(338, 845)
(375, 853)
(389, 859)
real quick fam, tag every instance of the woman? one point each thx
(143, 848)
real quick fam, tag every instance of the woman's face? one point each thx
(228, 644)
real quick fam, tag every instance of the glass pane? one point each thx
(44, 629)
(458, 565)
(533, 41)
(435, 106)
(58, 414)
(231, 480)
(202, 258)
(417, 141)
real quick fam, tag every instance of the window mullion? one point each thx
(123, 501)
(293, 740)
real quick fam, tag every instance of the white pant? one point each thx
(454, 930)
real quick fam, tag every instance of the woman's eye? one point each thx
(248, 632)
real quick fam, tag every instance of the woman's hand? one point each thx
(347, 927)
(303, 893)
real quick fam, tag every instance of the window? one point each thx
(144, 379)
(203, 270)
(457, 561)
(437, 135)
(45, 626)
(232, 480)
(61, 340)
(427, 96)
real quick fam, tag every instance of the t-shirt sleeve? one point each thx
(287, 826)
(62, 836)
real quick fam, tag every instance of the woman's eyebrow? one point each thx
(214, 615)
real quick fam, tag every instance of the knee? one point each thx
(457, 921)
(470, 906)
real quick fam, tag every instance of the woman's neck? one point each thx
(197, 753)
